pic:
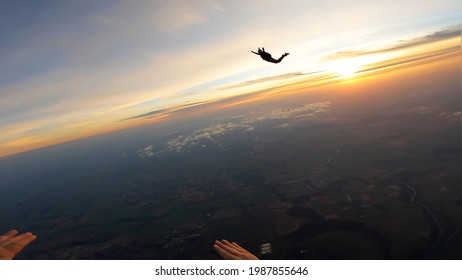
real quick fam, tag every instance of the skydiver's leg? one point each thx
(281, 58)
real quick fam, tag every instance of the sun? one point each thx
(351, 67)
(345, 69)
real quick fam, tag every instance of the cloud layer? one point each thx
(246, 122)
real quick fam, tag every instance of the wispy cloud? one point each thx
(450, 32)
(152, 114)
(415, 59)
(265, 80)
(170, 110)
(144, 153)
(172, 16)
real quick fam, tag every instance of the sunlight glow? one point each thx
(344, 69)
(350, 67)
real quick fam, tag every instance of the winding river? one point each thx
(434, 218)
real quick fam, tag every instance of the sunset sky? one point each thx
(72, 69)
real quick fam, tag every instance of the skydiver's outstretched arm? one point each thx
(255, 53)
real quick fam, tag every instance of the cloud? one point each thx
(245, 122)
(176, 15)
(145, 152)
(168, 111)
(265, 80)
(416, 59)
(450, 32)
(307, 110)
(421, 110)
(151, 114)
(209, 134)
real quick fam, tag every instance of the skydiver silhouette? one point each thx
(267, 57)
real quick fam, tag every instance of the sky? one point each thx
(73, 69)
